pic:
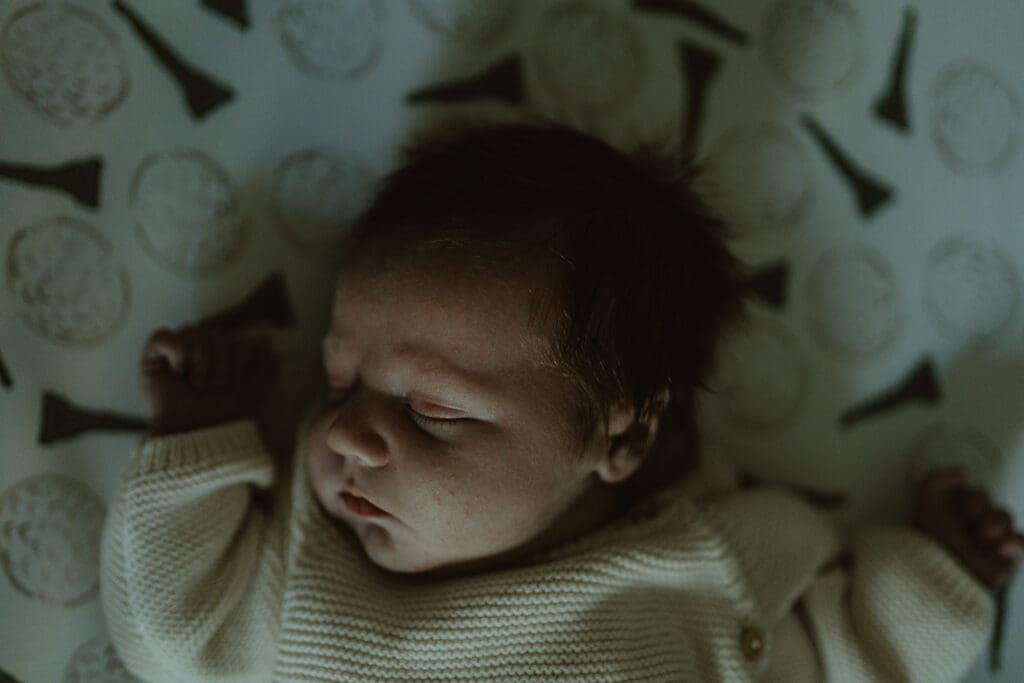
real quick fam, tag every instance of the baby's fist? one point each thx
(198, 377)
(964, 521)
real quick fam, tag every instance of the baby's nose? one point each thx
(358, 441)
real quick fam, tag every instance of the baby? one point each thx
(501, 479)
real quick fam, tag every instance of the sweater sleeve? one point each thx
(896, 607)
(190, 563)
(903, 610)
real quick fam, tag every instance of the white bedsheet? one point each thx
(166, 162)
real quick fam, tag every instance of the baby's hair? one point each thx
(643, 285)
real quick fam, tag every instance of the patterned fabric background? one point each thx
(162, 162)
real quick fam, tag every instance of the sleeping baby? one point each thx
(501, 479)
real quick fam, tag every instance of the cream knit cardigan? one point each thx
(217, 568)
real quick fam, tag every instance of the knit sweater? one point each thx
(218, 567)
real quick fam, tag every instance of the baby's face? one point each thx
(445, 417)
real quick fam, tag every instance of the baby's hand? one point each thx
(965, 522)
(202, 376)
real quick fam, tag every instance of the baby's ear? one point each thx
(629, 441)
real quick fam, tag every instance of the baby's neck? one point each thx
(594, 509)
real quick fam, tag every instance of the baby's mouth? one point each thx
(359, 506)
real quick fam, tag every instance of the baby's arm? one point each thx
(190, 557)
(896, 606)
(915, 604)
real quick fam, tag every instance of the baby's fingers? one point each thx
(255, 362)
(999, 547)
(266, 360)
(991, 527)
(1012, 548)
(1004, 561)
(164, 347)
(200, 356)
(221, 350)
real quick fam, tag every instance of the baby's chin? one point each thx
(382, 550)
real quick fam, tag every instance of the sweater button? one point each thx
(752, 642)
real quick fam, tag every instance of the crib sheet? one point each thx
(162, 163)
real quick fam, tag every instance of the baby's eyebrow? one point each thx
(435, 376)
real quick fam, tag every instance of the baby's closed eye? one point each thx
(435, 415)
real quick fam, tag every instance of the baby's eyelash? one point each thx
(443, 422)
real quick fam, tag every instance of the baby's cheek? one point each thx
(450, 523)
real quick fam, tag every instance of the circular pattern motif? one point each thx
(943, 444)
(975, 118)
(586, 57)
(470, 21)
(50, 527)
(971, 291)
(758, 178)
(854, 302)
(332, 39)
(95, 661)
(317, 193)
(761, 376)
(814, 47)
(64, 62)
(188, 216)
(62, 274)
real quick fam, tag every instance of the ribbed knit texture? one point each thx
(216, 568)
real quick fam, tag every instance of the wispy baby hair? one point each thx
(642, 284)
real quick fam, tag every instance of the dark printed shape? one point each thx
(96, 661)
(855, 305)
(80, 179)
(318, 192)
(814, 47)
(761, 376)
(64, 61)
(5, 377)
(698, 14)
(468, 21)
(332, 39)
(976, 116)
(188, 215)
(501, 81)
(236, 11)
(588, 58)
(758, 178)
(995, 653)
(891, 105)
(871, 194)
(7, 678)
(769, 284)
(972, 292)
(268, 304)
(63, 278)
(699, 68)
(61, 420)
(50, 527)
(202, 93)
(920, 386)
(944, 444)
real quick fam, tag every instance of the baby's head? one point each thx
(523, 318)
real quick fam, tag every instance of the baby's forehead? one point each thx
(447, 335)
(469, 313)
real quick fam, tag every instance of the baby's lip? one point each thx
(349, 488)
